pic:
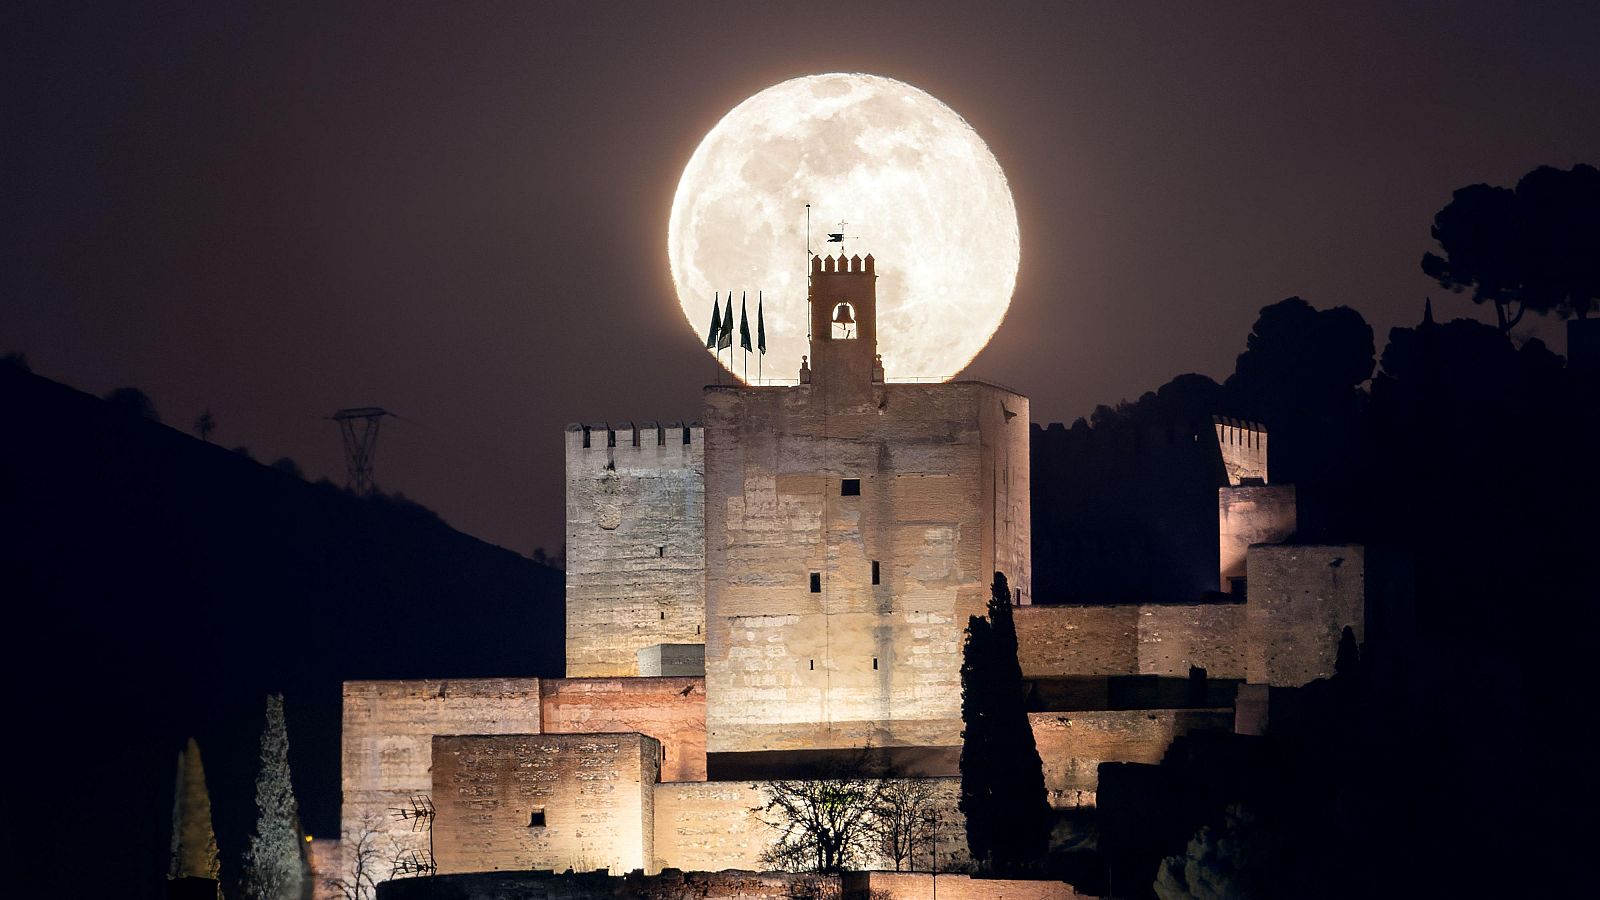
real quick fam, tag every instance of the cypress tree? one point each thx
(977, 739)
(1002, 777)
(274, 868)
(194, 843)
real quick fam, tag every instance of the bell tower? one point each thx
(844, 323)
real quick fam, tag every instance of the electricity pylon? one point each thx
(359, 427)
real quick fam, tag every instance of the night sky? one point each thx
(459, 212)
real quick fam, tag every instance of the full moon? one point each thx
(914, 186)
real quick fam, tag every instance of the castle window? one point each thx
(536, 819)
(811, 664)
(850, 487)
(874, 664)
(875, 572)
(816, 582)
(661, 551)
(611, 438)
(686, 434)
(585, 437)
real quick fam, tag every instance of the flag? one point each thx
(725, 337)
(716, 324)
(744, 324)
(835, 238)
(761, 327)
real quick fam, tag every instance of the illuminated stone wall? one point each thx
(1132, 639)
(1244, 450)
(387, 741)
(922, 886)
(1264, 514)
(591, 793)
(671, 710)
(708, 826)
(943, 503)
(635, 543)
(1073, 745)
(713, 826)
(1301, 598)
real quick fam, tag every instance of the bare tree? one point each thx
(903, 819)
(824, 825)
(204, 424)
(364, 859)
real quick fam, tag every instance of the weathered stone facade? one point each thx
(1126, 639)
(1260, 514)
(1072, 745)
(387, 746)
(671, 710)
(636, 548)
(531, 801)
(1301, 598)
(849, 546)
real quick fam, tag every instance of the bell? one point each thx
(841, 315)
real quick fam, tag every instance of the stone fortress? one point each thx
(787, 582)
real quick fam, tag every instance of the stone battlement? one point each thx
(840, 265)
(631, 434)
(1244, 449)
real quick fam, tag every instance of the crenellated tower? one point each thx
(843, 297)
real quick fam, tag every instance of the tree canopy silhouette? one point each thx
(1535, 247)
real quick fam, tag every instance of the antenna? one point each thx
(420, 815)
(359, 428)
(809, 254)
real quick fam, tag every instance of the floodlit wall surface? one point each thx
(594, 792)
(1244, 450)
(387, 741)
(943, 502)
(672, 659)
(635, 543)
(1263, 514)
(713, 826)
(923, 886)
(671, 710)
(1073, 745)
(1301, 598)
(708, 827)
(1131, 639)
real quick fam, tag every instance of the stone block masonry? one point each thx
(849, 544)
(1261, 514)
(1128, 639)
(671, 710)
(529, 801)
(387, 742)
(636, 548)
(1301, 598)
(1073, 745)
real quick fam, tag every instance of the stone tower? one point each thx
(844, 355)
(852, 526)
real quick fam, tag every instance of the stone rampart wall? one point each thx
(1263, 514)
(1131, 639)
(670, 709)
(1073, 745)
(924, 886)
(713, 826)
(1301, 598)
(636, 547)
(532, 801)
(387, 741)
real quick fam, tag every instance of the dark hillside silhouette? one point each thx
(161, 586)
